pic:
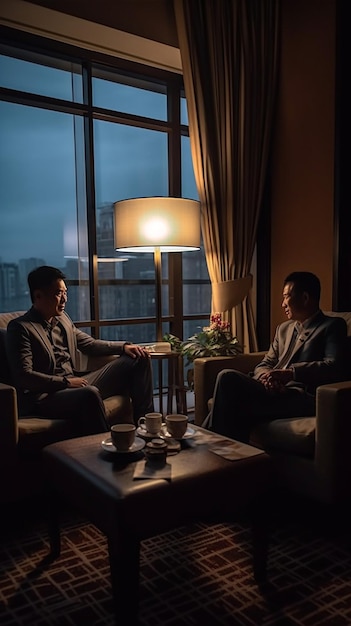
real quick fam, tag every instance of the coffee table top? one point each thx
(193, 483)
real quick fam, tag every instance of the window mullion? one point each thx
(90, 194)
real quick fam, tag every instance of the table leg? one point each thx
(260, 528)
(260, 541)
(53, 525)
(124, 552)
(160, 384)
(171, 390)
(179, 386)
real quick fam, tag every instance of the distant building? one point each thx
(9, 280)
(24, 267)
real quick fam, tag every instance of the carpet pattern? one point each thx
(195, 575)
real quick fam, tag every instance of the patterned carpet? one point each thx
(195, 575)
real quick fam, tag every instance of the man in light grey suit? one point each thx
(43, 347)
(307, 351)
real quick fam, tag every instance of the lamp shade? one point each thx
(169, 224)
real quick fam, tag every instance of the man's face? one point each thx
(51, 302)
(294, 304)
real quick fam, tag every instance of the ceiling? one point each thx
(153, 19)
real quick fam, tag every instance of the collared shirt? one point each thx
(301, 326)
(58, 339)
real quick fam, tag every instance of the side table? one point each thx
(160, 352)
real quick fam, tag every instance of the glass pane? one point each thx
(196, 295)
(130, 162)
(123, 301)
(194, 326)
(38, 202)
(197, 298)
(128, 94)
(35, 73)
(189, 189)
(184, 112)
(136, 333)
(78, 303)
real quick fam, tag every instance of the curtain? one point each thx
(229, 51)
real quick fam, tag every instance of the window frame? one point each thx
(63, 52)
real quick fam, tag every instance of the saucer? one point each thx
(108, 446)
(142, 432)
(190, 432)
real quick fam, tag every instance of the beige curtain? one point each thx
(229, 51)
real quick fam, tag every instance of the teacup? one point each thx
(152, 422)
(176, 425)
(123, 436)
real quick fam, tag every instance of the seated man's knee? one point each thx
(227, 376)
(91, 395)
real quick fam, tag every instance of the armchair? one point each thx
(312, 454)
(22, 439)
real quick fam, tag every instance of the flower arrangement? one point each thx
(213, 340)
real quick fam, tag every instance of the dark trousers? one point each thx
(240, 402)
(84, 406)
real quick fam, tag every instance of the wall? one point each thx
(153, 19)
(57, 25)
(303, 166)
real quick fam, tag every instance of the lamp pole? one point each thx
(158, 280)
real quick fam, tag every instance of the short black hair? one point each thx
(305, 281)
(42, 278)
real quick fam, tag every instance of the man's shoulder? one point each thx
(338, 325)
(338, 319)
(334, 324)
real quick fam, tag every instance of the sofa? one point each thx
(312, 454)
(22, 438)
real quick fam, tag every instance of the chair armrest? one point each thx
(333, 437)
(205, 374)
(8, 423)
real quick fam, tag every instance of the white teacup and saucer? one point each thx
(150, 425)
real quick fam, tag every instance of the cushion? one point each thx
(37, 432)
(294, 435)
(5, 318)
(118, 409)
(5, 376)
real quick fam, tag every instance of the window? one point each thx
(76, 135)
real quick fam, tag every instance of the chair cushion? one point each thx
(294, 435)
(37, 432)
(5, 376)
(118, 409)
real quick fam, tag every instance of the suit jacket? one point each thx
(318, 355)
(31, 355)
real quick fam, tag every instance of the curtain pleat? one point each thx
(229, 51)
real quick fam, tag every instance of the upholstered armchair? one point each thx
(22, 439)
(312, 454)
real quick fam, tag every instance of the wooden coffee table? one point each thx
(202, 485)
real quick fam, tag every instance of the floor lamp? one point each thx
(157, 225)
